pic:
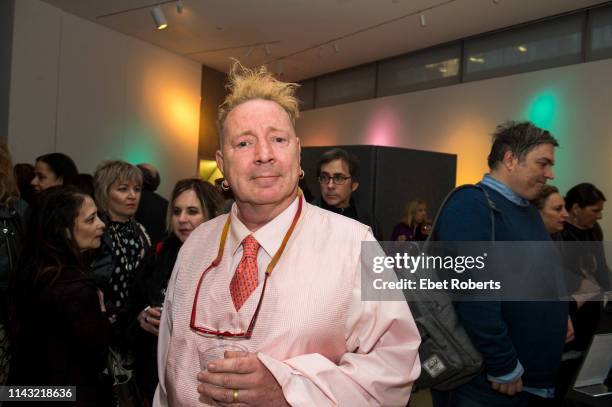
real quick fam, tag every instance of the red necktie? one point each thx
(245, 278)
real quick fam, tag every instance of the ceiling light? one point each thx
(423, 20)
(159, 18)
(477, 60)
(522, 48)
(179, 6)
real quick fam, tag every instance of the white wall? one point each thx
(95, 94)
(573, 102)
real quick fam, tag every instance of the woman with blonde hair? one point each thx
(12, 225)
(551, 205)
(125, 241)
(413, 224)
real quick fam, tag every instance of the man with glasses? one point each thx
(338, 175)
(264, 304)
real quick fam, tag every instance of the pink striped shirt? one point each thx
(322, 343)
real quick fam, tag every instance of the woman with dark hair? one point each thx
(193, 202)
(587, 261)
(584, 203)
(54, 169)
(12, 224)
(60, 334)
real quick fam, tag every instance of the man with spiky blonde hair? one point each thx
(264, 304)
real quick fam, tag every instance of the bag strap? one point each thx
(490, 204)
(11, 230)
(5, 231)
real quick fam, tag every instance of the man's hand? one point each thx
(509, 389)
(243, 375)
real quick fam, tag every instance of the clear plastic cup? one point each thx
(209, 353)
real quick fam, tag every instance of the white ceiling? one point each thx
(302, 32)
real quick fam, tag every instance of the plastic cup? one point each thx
(216, 352)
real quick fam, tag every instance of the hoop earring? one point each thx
(224, 185)
(302, 173)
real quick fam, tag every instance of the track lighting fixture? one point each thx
(159, 18)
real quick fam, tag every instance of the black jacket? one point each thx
(586, 319)
(351, 212)
(104, 262)
(152, 214)
(12, 234)
(63, 338)
(102, 266)
(149, 289)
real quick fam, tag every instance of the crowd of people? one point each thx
(259, 303)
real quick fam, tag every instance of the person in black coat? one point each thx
(152, 210)
(584, 203)
(193, 202)
(12, 229)
(59, 331)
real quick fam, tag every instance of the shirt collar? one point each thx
(504, 190)
(268, 235)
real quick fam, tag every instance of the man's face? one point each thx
(338, 196)
(260, 155)
(527, 177)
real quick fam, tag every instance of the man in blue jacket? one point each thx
(521, 342)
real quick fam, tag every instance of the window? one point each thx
(421, 70)
(600, 30)
(346, 86)
(537, 46)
